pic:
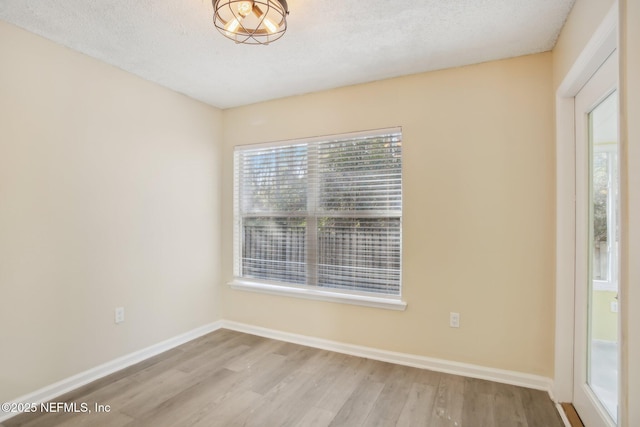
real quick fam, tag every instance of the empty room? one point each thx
(314, 213)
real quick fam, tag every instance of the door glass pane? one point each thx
(603, 292)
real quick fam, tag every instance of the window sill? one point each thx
(389, 303)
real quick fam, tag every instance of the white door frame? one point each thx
(600, 87)
(603, 42)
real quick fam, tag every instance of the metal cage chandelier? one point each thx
(251, 22)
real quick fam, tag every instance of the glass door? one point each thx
(596, 364)
(603, 293)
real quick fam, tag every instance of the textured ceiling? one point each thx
(328, 44)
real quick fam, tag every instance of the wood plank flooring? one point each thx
(228, 378)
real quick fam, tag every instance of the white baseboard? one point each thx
(456, 368)
(52, 391)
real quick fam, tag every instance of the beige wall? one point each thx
(478, 212)
(605, 321)
(108, 197)
(630, 140)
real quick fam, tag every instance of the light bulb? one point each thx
(232, 26)
(245, 8)
(271, 27)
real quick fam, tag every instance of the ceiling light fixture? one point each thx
(251, 22)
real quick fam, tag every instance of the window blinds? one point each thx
(324, 212)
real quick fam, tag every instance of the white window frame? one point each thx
(369, 299)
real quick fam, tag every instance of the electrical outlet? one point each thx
(454, 320)
(119, 315)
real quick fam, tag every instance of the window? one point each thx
(321, 217)
(605, 217)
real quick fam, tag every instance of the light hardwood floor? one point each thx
(228, 378)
